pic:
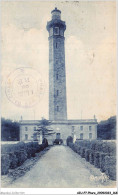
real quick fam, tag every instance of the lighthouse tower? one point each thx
(57, 76)
(77, 128)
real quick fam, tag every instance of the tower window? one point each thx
(56, 31)
(57, 92)
(57, 108)
(57, 76)
(56, 45)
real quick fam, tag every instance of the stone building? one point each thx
(82, 129)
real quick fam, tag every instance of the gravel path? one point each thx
(61, 167)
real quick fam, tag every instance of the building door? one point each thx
(58, 136)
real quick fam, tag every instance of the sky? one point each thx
(90, 55)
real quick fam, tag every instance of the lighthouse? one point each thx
(57, 73)
(63, 127)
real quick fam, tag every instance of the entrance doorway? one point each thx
(58, 136)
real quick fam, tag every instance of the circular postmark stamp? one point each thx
(24, 87)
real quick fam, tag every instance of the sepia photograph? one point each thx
(58, 100)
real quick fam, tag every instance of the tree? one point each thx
(106, 129)
(9, 130)
(44, 129)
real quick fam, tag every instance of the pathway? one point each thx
(61, 167)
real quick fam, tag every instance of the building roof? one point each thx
(66, 122)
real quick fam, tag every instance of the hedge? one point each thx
(110, 167)
(21, 156)
(91, 157)
(97, 159)
(102, 161)
(99, 153)
(87, 153)
(69, 140)
(79, 150)
(5, 163)
(82, 152)
(15, 155)
(13, 160)
(98, 146)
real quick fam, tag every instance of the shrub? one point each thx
(112, 148)
(29, 153)
(34, 148)
(98, 146)
(69, 140)
(45, 141)
(78, 150)
(82, 152)
(83, 143)
(31, 148)
(71, 145)
(93, 145)
(97, 159)
(102, 161)
(20, 146)
(5, 163)
(99, 153)
(21, 156)
(91, 157)
(110, 167)
(75, 147)
(105, 147)
(42, 146)
(13, 160)
(39, 148)
(15, 155)
(87, 153)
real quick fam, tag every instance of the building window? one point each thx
(57, 76)
(26, 128)
(26, 137)
(56, 31)
(34, 128)
(90, 135)
(81, 135)
(57, 92)
(56, 45)
(81, 128)
(57, 108)
(90, 128)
